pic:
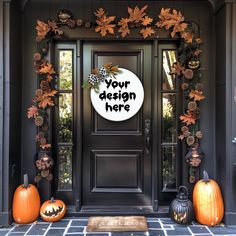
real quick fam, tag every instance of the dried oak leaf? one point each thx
(45, 146)
(47, 101)
(147, 21)
(136, 15)
(174, 19)
(42, 30)
(124, 31)
(51, 93)
(146, 32)
(188, 118)
(47, 69)
(104, 23)
(187, 36)
(32, 112)
(124, 27)
(54, 28)
(99, 13)
(123, 23)
(196, 95)
(176, 68)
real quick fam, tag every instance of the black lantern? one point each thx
(181, 209)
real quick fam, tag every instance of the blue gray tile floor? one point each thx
(77, 226)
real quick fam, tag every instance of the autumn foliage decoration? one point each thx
(44, 96)
(186, 70)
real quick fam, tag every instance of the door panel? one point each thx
(116, 162)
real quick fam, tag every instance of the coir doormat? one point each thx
(117, 223)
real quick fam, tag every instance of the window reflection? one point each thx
(169, 118)
(65, 168)
(65, 119)
(65, 70)
(169, 168)
(168, 58)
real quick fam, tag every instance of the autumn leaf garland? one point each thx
(186, 69)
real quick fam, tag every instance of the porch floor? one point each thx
(77, 226)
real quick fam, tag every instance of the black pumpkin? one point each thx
(181, 208)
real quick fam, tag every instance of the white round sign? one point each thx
(118, 99)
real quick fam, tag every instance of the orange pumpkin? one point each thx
(52, 210)
(207, 201)
(26, 203)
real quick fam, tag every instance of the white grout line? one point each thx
(209, 231)
(67, 227)
(165, 233)
(190, 230)
(46, 231)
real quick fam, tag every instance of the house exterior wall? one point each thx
(18, 83)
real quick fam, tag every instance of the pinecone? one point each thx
(38, 121)
(199, 134)
(184, 86)
(39, 92)
(103, 73)
(190, 140)
(192, 106)
(184, 128)
(79, 22)
(93, 79)
(37, 56)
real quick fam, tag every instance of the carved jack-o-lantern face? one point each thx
(194, 64)
(53, 210)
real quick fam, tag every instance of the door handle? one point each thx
(147, 135)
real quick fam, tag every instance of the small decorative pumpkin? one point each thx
(181, 208)
(193, 64)
(26, 203)
(207, 201)
(64, 16)
(52, 210)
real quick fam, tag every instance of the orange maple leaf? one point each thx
(47, 101)
(32, 112)
(196, 95)
(51, 93)
(54, 28)
(174, 19)
(99, 13)
(124, 31)
(146, 32)
(45, 146)
(188, 118)
(136, 15)
(176, 68)
(147, 21)
(47, 69)
(187, 36)
(42, 30)
(124, 22)
(104, 25)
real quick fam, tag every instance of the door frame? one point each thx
(155, 116)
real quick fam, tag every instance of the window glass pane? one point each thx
(169, 118)
(65, 118)
(65, 71)
(65, 167)
(169, 168)
(168, 58)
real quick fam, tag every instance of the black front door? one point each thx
(117, 155)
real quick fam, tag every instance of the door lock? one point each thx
(147, 132)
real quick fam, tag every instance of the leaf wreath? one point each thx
(104, 23)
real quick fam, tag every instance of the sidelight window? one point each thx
(64, 113)
(169, 122)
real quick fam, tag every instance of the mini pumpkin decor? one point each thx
(207, 201)
(53, 210)
(186, 69)
(181, 208)
(26, 203)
